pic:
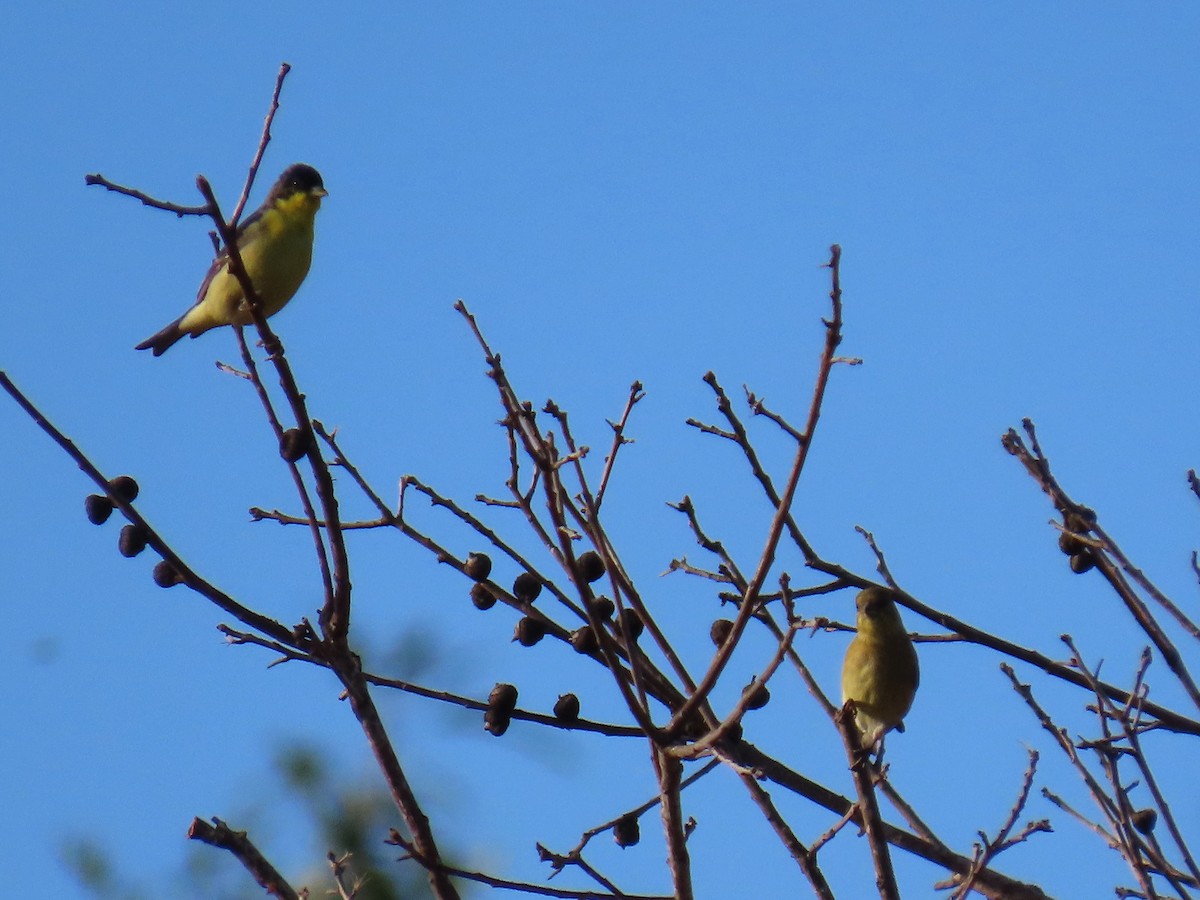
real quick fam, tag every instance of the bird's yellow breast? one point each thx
(880, 674)
(277, 252)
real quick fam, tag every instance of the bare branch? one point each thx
(833, 337)
(864, 783)
(521, 886)
(1109, 562)
(222, 836)
(989, 849)
(96, 178)
(265, 139)
(635, 396)
(183, 571)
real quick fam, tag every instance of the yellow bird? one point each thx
(275, 243)
(880, 673)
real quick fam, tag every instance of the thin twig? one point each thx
(263, 140)
(222, 836)
(524, 887)
(990, 883)
(335, 614)
(990, 848)
(719, 734)
(805, 857)
(870, 819)
(833, 337)
(635, 396)
(670, 772)
(559, 861)
(297, 479)
(154, 540)
(1038, 466)
(417, 690)
(180, 210)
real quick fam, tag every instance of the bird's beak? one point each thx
(319, 192)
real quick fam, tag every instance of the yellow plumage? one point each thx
(880, 673)
(275, 243)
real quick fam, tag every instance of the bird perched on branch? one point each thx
(880, 673)
(275, 243)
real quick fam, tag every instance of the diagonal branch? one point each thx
(185, 573)
(222, 836)
(1109, 561)
(750, 597)
(263, 140)
(335, 614)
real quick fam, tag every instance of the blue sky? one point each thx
(619, 192)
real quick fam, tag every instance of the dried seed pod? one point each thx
(293, 444)
(630, 624)
(626, 831)
(1144, 820)
(526, 587)
(759, 695)
(529, 631)
(165, 575)
(496, 721)
(591, 566)
(584, 640)
(98, 508)
(124, 488)
(1069, 544)
(719, 632)
(694, 725)
(132, 541)
(482, 596)
(1080, 522)
(603, 608)
(1082, 562)
(478, 566)
(503, 697)
(567, 708)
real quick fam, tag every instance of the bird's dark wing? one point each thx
(222, 258)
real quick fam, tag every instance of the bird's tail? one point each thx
(162, 341)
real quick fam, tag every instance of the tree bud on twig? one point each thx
(626, 831)
(720, 631)
(124, 488)
(584, 640)
(501, 702)
(630, 624)
(602, 608)
(1069, 544)
(591, 566)
(495, 721)
(529, 631)
(759, 695)
(482, 596)
(132, 541)
(1082, 562)
(478, 566)
(98, 508)
(293, 444)
(165, 575)
(526, 587)
(1144, 820)
(567, 708)
(503, 697)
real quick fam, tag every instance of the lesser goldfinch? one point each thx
(880, 673)
(275, 243)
